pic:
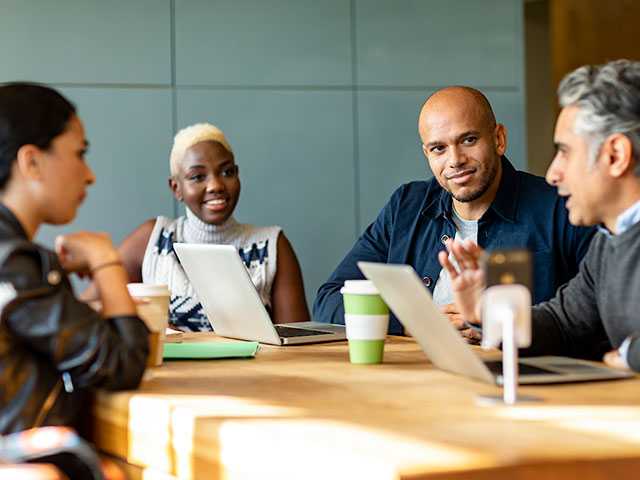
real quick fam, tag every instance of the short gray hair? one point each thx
(608, 98)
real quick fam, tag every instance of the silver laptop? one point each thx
(232, 303)
(411, 302)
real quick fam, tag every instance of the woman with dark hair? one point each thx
(53, 348)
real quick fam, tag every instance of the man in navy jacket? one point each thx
(475, 193)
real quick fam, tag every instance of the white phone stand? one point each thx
(506, 318)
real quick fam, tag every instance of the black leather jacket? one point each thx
(53, 348)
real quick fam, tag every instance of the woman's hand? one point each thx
(93, 253)
(81, 252)
(467, 281)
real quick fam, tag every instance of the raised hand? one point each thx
(467, 281)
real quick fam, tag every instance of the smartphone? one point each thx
(506, 267)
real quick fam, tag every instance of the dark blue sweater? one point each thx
(598, 308)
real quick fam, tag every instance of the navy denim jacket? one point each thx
(412, 227)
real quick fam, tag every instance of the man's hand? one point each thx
(454, 316)
(614, 359)
(470, 334)
(467, 281)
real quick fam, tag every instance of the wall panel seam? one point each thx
(174, 93)
(341, 88)
(356, 126)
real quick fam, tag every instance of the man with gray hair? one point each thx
(597, 168)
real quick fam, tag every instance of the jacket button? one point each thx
(444, 238)
(54, 277)
(427, 281)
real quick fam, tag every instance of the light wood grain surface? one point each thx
(306, 412)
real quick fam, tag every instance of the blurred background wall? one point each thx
(561, 35)
(319, 99)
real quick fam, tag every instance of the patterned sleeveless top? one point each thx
(257, 247)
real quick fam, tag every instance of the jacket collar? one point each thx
(505, 204)
(9, 223)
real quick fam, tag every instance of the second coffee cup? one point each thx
(366, 319)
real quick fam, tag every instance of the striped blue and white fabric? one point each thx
(257, 246)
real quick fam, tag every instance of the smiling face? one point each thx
(586, 187)
(208, 182)
(462, 143)
(65, 174)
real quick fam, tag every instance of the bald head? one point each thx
(462, 143)
(460, 98)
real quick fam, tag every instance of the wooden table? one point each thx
(306, 412)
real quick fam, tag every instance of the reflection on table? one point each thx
(306, 412)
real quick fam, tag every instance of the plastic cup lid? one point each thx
(359, 287)
(147, 290)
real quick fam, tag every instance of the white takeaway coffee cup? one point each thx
(152, 306)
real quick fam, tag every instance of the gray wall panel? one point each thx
(390, 152)
(86, 41)
(263, 42)
(295, 152)
(390, 148)
(130, 135)
(509, 110)
(300, 158)
(439, 42)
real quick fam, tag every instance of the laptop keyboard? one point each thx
(286, 332)
(523, 369)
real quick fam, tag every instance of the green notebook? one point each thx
(204, 350)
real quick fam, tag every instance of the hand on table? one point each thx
(613, 359)
(471, 335)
